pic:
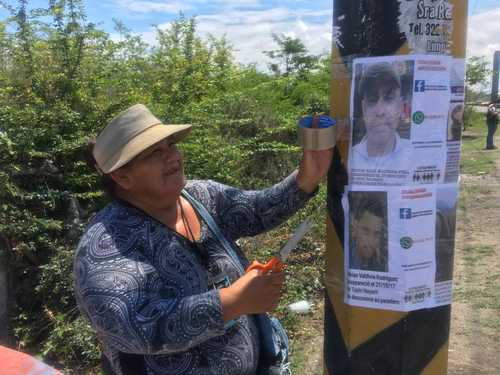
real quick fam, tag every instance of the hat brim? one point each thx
(142, 141)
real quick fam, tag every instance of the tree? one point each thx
(182, 65)
(6, 152)
(61, 80)
(222, 55)
(477, 71)
(477, 74)
(476, 77)
(291, 56)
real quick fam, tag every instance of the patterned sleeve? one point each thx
(242, 213)
(134, 309)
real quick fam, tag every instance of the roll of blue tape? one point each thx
(324, 122)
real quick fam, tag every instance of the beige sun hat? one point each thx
(130, 133)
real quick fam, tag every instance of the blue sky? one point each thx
(248, 24)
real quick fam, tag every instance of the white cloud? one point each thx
(251, 17)
(139, 6)
(237, 3)
(172, 7)
(483, 34)
(250, 31)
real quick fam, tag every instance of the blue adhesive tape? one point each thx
(306, 121)
(324, 121)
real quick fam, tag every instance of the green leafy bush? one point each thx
(61, 80)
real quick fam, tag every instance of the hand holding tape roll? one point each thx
(317, 132)
(317, 138)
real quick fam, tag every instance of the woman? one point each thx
(155, 282)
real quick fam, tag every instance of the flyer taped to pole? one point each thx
(397, 92)
(400, 213)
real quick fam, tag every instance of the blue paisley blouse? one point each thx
(149, 291)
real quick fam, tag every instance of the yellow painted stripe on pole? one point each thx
(334, 279)
(459, 28)
(439, 364)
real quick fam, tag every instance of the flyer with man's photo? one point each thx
(399, 118)
(400, 202)
(398, 246)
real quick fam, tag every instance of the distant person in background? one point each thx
(382, 109)
(492, 122)
(368, 250)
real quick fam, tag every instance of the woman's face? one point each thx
(157, 173)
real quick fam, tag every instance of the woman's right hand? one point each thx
(252, 293)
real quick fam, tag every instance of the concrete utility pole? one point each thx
(366, 341)
(494, 81)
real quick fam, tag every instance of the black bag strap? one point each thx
(268, 340)
(200, 208)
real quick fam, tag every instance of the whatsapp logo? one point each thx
(406, 242)
(418, 117)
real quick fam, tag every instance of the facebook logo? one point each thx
(405, 213)
(419, 85)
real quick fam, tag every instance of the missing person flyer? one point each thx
(390, 247)
(399, 117)
(455, 120)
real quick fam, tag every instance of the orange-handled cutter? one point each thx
(277, 262)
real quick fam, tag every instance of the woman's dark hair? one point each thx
(108, 185)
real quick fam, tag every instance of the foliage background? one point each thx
(61, 80)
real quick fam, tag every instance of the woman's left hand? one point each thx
(313, 167)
